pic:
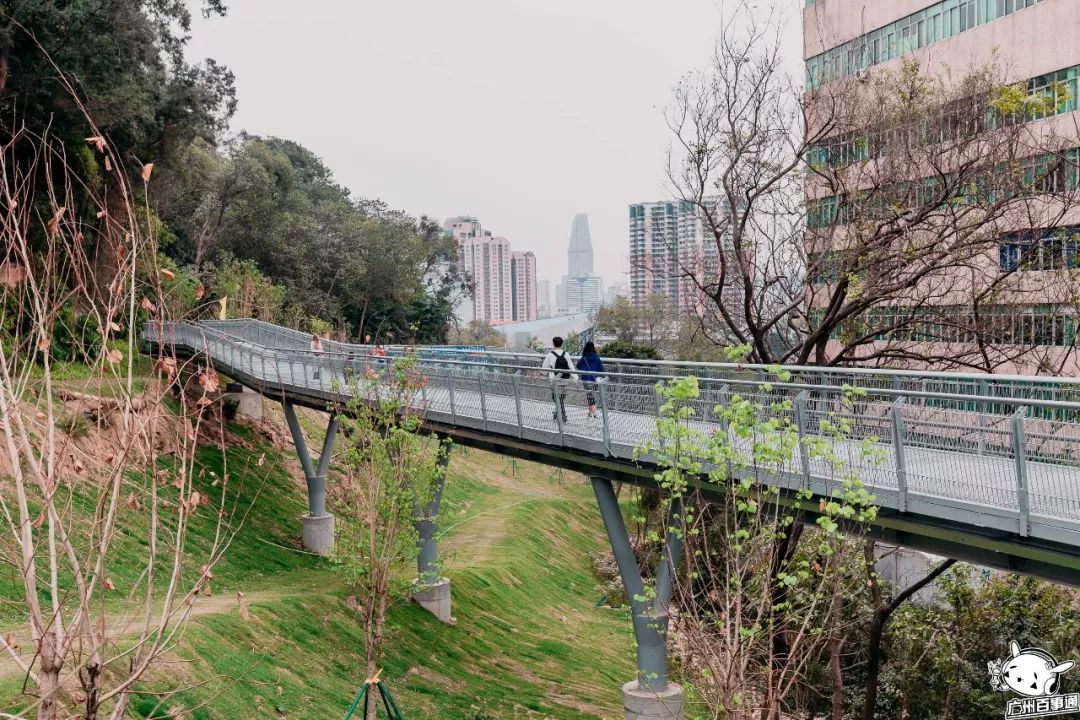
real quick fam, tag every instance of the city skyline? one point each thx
(588, 151)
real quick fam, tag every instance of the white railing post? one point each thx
(483, 403)
(1020, 456)
(517, 404)
(604, 414)
(450, 387)
(895, 412)
(800, 427)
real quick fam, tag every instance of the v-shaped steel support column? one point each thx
(318, 524)
(651, 695)
(431, 591)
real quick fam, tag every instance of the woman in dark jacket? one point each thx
(590, 364)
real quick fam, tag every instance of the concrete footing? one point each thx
(318, 533)
(250, 404)
(639, 704)
(434, 598)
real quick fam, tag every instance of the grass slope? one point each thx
(528, 641)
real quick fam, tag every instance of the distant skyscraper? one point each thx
(670, 253)
(580, 290)
(543, 299)
(490, 264)
(580, 252)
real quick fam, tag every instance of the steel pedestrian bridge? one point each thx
(979, 467)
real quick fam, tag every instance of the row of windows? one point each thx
(1056, 94)
(939, 21)
(1041, 175)
(1040, 325)
(1052, 249)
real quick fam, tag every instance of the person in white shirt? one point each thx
(558, 364)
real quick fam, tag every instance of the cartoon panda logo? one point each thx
(1030, 672)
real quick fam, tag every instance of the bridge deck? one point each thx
(935, 457)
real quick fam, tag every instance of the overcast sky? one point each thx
(521, 112)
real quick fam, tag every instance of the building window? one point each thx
(941, 20)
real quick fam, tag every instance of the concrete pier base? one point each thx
(250, 404)
(639, 704)
(318, 533)
(434, 598)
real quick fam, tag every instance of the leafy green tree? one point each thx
(761, 599)
(390, 469)
(620, 318)
(618, 349)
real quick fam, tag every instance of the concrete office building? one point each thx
(1037, 44)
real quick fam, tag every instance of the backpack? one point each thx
(561, 363)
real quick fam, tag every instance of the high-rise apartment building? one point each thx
(499, 295)
(671, 252)
(580, 290)
(523, 286)
(1037, 43)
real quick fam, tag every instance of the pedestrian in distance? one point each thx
(590, 364)
(316, 350)
(559, 367)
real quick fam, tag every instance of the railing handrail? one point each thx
(760, 383)
(943, 375)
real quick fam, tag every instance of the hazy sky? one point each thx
(521, 112)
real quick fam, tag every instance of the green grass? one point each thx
(528, 640)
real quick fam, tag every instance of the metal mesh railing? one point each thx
(1004, 450)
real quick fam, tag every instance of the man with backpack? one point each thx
(558, 364)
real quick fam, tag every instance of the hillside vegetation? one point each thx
(528, 640)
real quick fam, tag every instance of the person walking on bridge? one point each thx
(558, 364)
(590, 364)
(316, 349)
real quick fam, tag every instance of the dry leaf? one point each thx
(101, 214)
(167, 365)
(108, 164)
(108, 584)
(12, 275)
(183, 505)
(204, 500)
(114, 327)
(114, 356)
(132, 501)
(200, 291)
(39, 521)
(203, 402)
(9, 641)
(146, 170)
(206, 572)
(178, 482)
(98, 142)
(245, 614)
(209, 381)
(148, 306)
(168, 274)
(261, 461)
(53, 225)
(194, 499)
(43, 344)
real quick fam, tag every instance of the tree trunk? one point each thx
(836, 643)
(877, 629)
(49, 677)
